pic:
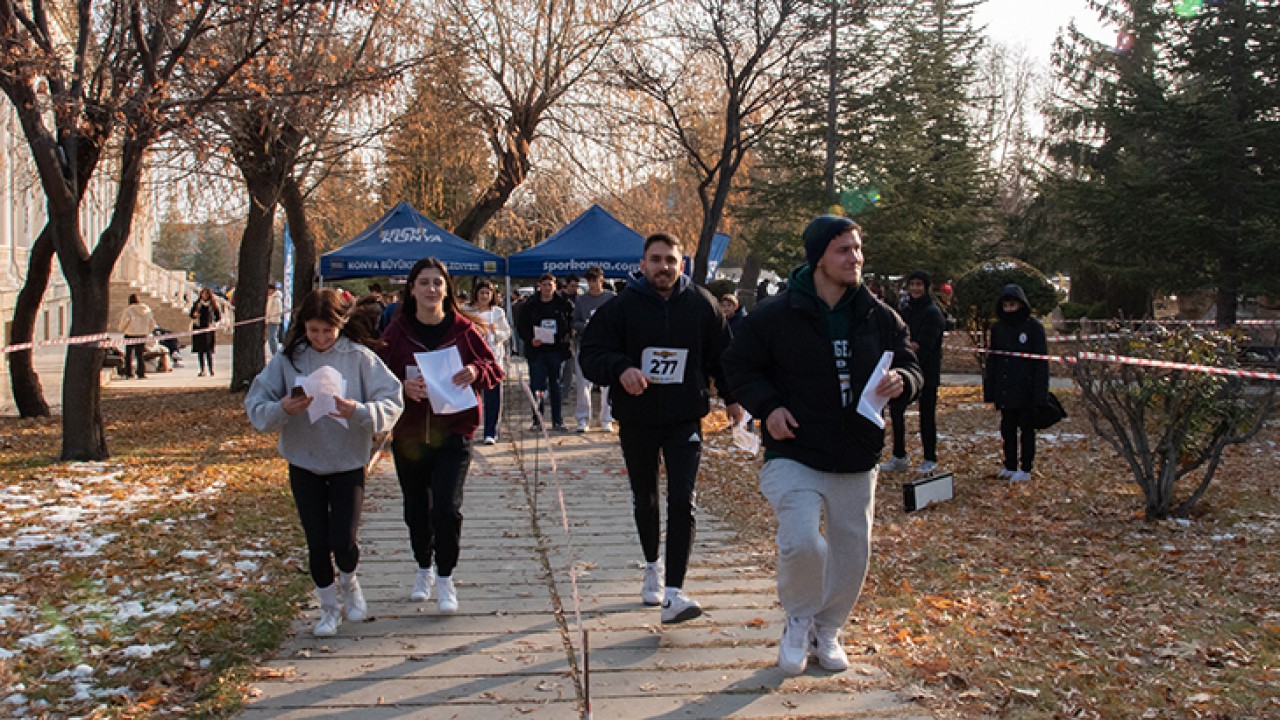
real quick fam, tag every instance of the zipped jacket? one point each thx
(686, 330)
(783, 357)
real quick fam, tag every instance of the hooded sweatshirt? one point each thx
(788, 354)
(326, 447)
(1016, 382)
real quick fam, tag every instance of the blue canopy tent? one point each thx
(400, 238)
(593, 238)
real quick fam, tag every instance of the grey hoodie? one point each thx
(325, 447)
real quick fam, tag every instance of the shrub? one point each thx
(1169, 423)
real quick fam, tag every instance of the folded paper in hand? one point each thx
(744, 437)
(323, 386)
(871, 404)
(438, 368)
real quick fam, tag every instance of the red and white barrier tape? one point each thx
(1124, 359)
(105, 339)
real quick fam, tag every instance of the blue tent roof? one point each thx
(593, 238)
(400, 238)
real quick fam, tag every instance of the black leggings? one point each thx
(928, 423)
(681, 449)
(329, 507)
(1013, 420)
(431, 479)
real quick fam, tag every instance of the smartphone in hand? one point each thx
(297, 392)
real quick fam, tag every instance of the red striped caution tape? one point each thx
(105, 339)
(1126, 360)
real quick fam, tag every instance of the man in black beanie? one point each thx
(800, 363)
(927, 324)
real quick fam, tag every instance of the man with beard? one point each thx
(657, 345)
(801, 362)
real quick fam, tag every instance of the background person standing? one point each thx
(927, 324)
(204, 315)
(583, 308)
(1016, 385)
(658, 345)
(136, 322)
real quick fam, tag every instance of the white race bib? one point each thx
(664, 366)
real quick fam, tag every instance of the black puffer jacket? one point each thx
(783, 357)
(927, 324)
(1014, 382)
(640, 318)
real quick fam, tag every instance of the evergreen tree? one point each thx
(1166, 149)
(920, 169)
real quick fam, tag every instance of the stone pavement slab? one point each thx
(551, 565)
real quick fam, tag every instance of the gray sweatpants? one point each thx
(820, 577)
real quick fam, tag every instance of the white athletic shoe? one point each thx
(1020, 476)
(893, 464)
(651, 592)
(446, 595)
(1005, 473)
(927, 467)
(353, 602)
(793, 651)
(330, 615)
(678, 607)
(826, 646)
(422, 582)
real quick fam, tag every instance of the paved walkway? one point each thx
(516, 647)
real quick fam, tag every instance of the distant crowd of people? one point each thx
(644, 357)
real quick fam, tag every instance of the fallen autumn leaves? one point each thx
(147, 586)
(1053, 599)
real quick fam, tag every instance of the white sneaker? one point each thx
(678, 607)
(651, 592)
(927, 467)
(328, 625)
(582, 426)
(330, 615)
(1005, 473)
(422, 583)
(353, 602)
(826, 646)
(490, 440)
(894, 464)
(793, 651)
(447, 595)
(1020, 476)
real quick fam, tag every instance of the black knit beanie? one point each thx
(819, 234)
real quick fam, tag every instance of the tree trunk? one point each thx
(304, 242)
(84, 435)
(28, 394)
(747, 284)
(513, 170)
(247, 354)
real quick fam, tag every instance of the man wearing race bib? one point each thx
(658, 344)
(800, 361)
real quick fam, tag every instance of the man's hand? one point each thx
(634, 381)
(735, 413)
(780, 423)
(891, 385)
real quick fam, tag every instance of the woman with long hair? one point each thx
(205, 315)
(327, 455)
(432, 451)
(488, 306)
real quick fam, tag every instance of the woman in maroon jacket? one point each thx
(433, 452)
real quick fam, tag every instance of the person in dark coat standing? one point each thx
(205, 315)
(927, 324)
(1017, 385)
(546, 352)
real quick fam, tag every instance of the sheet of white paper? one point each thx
(547, 336)
(744, 436)
(871, 404)
(323, 386)
(438, 368)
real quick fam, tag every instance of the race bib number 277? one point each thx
(664, 366)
